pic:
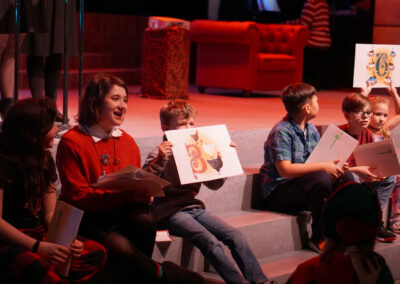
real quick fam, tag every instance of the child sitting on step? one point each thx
(288, 184)
(185, 216)
(381, 126)
(357, 110)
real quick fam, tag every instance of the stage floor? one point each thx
(261, 110)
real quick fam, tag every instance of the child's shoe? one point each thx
(385, 236)
(395, 226)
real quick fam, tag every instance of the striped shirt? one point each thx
(315, 16)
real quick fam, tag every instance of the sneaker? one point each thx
(395, 227)
(316, 247)
(303, 218)
(385, 236)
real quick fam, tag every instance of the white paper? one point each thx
(204, 153)
(334, 144)
(395, 134)
(379, 64)
(64, 224)
(379, 155)
(163, 236)
(133, 178)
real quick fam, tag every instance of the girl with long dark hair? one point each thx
(28, 198)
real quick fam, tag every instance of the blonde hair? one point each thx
(384, 131)
(175, 109)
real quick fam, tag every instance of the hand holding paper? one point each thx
(204, 153)
(379, 155)
(63, 230)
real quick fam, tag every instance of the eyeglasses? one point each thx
(362, 113)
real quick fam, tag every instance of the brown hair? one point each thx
(296, 95)
(355, 102)
(379, 100)
(93, 97)
(175, 109)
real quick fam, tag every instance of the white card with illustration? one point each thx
(377, 65)
(334, 144)
(204, 153)
(382, 156)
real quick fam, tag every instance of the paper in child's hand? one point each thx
(204, 153)
(133, 178)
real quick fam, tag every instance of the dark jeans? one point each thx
(128, 234)
(44, 74)
(308, 192)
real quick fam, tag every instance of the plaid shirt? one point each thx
(286, 141)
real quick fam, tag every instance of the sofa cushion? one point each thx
(275, 62)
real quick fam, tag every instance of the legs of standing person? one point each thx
(315, 67)
(184, 224)
(35, 70)
(7, 61)
(303, 193)
(44, 76)
(52, 75)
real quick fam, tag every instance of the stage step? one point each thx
(274, 237)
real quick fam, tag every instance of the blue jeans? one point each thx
(383, 188)
(206, 231)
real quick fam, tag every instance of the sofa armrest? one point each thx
(281, 38)
(209, 31)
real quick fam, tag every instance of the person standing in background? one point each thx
(45, 49)
(29, 23)
(315, 16)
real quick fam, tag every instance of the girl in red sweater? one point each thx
(120, 220)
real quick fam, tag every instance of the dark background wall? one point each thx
(183, 9)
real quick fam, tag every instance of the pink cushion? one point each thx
(276, 62)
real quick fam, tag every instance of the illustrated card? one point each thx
(334, 144)
(379, 155)
(204, 153)
(377, 64)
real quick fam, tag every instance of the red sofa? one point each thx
(248, 55)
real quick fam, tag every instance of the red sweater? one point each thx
(366, 136)
(79, 166)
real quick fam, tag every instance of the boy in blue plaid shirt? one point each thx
(288, 184)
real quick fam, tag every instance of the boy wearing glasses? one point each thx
(357, 110)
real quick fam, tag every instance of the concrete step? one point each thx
(277, 267)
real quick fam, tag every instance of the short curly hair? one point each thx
(175, 109)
